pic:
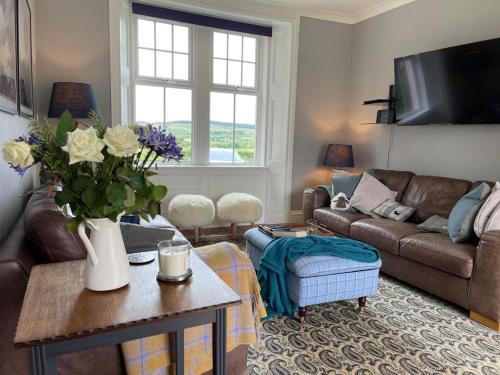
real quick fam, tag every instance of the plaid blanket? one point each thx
(153, 355)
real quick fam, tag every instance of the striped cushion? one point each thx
(394, 211)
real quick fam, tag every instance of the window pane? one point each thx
(244, 129)
(181, 66)
(146, 62)
(148, 105)
(220, 45)
(234, 73)
(146, 33)
(248, 78)
(163, 36)
(163, 64)
(234, 50)
(219, 74)
(181, 39)
(221, 127)
(178, 115)
(249, 49)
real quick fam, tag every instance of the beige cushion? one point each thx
(487, 210)
(493, 221)
(371, 193)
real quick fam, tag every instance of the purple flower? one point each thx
(31, 139)
(160, 142)
(20, 171)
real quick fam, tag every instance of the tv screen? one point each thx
(456, 85)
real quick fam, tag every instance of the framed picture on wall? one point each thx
(8, 57)
(25, 91)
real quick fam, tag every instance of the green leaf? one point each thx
(63, 197)
(82, 182)
(66, 125)
(130, 201)
(116, 194)
(152, 208)
(89, 196)
(74, 223)
(159, 192)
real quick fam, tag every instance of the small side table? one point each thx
(59, 316)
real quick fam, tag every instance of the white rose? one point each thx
(18, 154)
(84, 145)
(121, 141)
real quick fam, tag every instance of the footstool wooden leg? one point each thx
(302, 313)
(362, 304)
(196, 235)
(234, 228)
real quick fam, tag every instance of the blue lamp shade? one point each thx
(339, 156)
(77, 98)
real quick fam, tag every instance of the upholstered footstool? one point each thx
(191, 211)
(239, 208)
(320, 279)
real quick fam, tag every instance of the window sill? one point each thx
(226, 167)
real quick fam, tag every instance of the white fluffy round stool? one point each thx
(191, 211)
(239, 208)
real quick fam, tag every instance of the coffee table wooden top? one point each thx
(57, 307)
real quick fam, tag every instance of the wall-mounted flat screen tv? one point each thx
(456, 85)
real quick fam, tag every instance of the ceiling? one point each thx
(349, 11)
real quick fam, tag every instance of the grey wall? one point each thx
(470, 152)
(73, 45)
(321, 112)
(13, 186)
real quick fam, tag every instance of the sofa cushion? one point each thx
(433, 196)
(383, 234)
(486, 210)
(370, 193)
(336, 220)
(438, 251)
(394, 180)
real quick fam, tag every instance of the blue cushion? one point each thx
(461, 219)
(322, 265)
(345, 184)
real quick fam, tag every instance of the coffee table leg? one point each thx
(219, 343)
(179, 352)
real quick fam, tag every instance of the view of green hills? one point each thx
(221, 137)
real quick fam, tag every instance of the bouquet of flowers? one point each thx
(103, 171)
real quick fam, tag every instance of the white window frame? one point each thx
(137, 79)
(243, 90)
(200, 145)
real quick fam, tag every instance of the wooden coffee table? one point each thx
(59, 316)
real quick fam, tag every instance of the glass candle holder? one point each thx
(173, 258)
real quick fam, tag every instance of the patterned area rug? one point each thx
(401, 331)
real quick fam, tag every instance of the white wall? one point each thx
(470, 152)
(73, 45)
(14, 186)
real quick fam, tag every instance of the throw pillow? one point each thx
(461, 219)
(435, 223)
(394, 211)
(486, 210)
(139, 238)
(345, 183)
(370, 193)
(494, 221)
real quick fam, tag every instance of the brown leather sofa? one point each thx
(41, 236)
(467, 274)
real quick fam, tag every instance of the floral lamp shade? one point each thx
(77, 98)
(339, 156)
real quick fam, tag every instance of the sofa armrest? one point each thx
(313, 199)
(484, 292)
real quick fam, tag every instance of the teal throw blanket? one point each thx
(273, 270)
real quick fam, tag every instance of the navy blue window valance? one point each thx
(200, 19)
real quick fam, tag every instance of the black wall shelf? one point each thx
(384, 116)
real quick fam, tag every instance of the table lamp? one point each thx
(339, 156)
(76, 98)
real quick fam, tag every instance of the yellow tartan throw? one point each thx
(152, 355)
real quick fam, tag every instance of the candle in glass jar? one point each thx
(174, 261)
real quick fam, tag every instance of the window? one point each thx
(208, 97)
(233, 112)
(163, 89)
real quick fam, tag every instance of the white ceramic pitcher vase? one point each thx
(106, 267)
